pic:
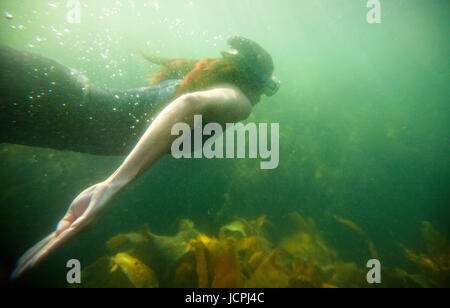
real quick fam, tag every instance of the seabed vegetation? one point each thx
(242, 255)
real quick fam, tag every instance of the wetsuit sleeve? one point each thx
(46, 104)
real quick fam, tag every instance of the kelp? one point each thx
(202, 267)
(270, 273)
(217, 262)
(126, 241)
(226, 273)
(99, 275)
(119, 271)
(360, 232)
(139, 274)
(307, 242)
(435, 262)
(242, 256)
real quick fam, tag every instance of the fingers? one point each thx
(79, 204)
(41, 250)
(82, 214)
(63, 225)
(52, 245)
(76, 209)
(23, 263)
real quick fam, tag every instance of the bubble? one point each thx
(8, 16)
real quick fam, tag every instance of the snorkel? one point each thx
(257, 60)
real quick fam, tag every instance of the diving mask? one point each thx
(257, 60)
(271, 83)
(271, 86)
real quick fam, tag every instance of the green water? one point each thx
(363, 112)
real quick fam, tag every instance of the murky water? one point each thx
(364, 135)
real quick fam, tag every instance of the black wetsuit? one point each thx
(46, 104)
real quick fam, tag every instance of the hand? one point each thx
(83, 213)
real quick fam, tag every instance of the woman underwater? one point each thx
(221, 90)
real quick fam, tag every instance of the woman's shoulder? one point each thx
(225, 101)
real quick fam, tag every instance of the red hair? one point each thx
(204, 74)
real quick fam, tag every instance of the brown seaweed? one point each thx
(242, 256)
(360, 232)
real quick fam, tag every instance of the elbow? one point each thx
(217, 105)
(191, 102)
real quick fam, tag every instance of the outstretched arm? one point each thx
(222, 104)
